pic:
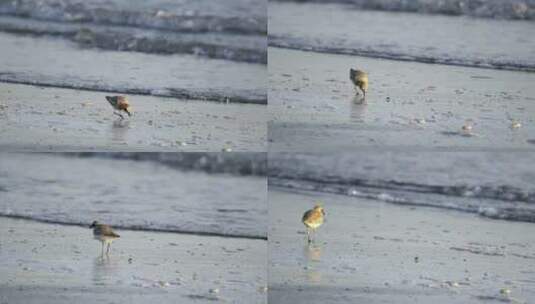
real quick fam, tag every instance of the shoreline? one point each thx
(399, 57)
(47, 263)
(376, 252)
(61, 120)
(141, 229)
(313, 105)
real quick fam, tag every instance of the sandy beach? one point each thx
(48, 263)
(410, 105)
(374, 252)
(37, 118)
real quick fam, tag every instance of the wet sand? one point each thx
(37, 118)
(47, 263)
(410, 105)
(373, 252)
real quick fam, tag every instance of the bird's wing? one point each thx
(107, 231)
(306, 216)
(312, 216)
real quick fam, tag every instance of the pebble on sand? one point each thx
(505, 291)
(467, 128)
(420, 121)
(515, 125)
(163, 283)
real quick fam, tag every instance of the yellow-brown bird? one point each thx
(312, 219)
(119, 103)
(359, 79)
(104, 234)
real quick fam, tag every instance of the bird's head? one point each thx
(352, 73)
(319, 208)
(95, 223)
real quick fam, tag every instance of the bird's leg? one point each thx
(108, 249)
(102, 252)
(118, 114)
(308, 235)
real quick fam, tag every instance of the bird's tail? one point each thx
(111, 100)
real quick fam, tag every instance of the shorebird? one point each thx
(104, 234)
(312, 219)
(359, 79)
(119, 103)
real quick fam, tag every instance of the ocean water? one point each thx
(497, 185)
(496, 9)
(199, 193)
(199, 50)
(392, 33)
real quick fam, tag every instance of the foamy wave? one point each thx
(190, 17)
(497, 9)
(236, 47)
(489, 207)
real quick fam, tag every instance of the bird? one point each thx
(359, 79)
(104, 234)
(312, 219)
(119, 103)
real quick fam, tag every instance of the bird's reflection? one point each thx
(119, 129)
(358, 109)
(313, 256)
(313, 252)
(104, 268)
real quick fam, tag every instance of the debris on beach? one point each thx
(420, 121)
(515, 124)
(505, 291)
(163, 283)
(467, 128)
(451, 283)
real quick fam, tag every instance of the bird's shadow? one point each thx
(312, 251)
